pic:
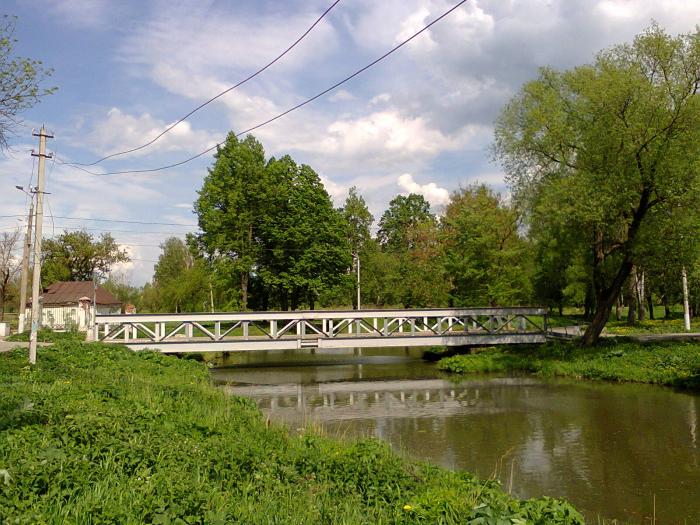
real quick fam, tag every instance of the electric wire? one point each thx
(147, 223)
(212, 99)
(280, 115)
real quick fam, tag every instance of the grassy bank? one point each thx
(664, 363)
(97, 434)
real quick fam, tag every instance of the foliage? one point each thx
(305, 247)
(593, 151)
(75, 256)
(485, 255)
(20, 81)
(231, 208)
(98, 434)
(405, 212)
(270, 229)
(663, 363)
(180, 280)
(358, 218)
(9, 267)
(46, 335)
(118, 285)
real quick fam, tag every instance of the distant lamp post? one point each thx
(357, 266)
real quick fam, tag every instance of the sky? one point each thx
(420, 121)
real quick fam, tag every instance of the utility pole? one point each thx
(93, 318)
(357, 258)
(25, 264)
(36, 277)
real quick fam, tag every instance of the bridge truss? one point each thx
(245, 331)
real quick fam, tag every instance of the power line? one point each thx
(148, 223)
(212, 99)
(137, 232)
(280, 115)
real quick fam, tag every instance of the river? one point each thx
(613, 450)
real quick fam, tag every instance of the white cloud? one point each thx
(341, 96)
(205, 39)
(382, 97)
(433, 193)
(385, 130)
(94, 14)
(120, 131)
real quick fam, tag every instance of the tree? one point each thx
(179, 279)
(305, 248)
(75, 256)
(230, 206)
(359, 221)
(119, 286)
(20, 81)
(358, 218)
(486, 258)
(403, 214)
(593, 150)
(9, 266)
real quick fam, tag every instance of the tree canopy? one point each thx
(75, 256)
(20, 81)
(271, 227)
(591, 152)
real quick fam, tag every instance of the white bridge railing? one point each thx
(321, 328)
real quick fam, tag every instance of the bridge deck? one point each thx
(251, 331)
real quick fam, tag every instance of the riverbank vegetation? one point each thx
(99, 434)
(669, 363)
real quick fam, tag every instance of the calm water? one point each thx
(610, 449)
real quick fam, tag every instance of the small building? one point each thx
(67, 305)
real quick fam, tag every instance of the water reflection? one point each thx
(608, 448)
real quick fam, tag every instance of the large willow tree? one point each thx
(592, 153)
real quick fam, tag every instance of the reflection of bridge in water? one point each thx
(375, 399)
(246, 331)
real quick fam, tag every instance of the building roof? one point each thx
(69, 292)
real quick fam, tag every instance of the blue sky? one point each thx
(421, 121)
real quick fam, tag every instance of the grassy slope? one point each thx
(667, 363)
(97, 434)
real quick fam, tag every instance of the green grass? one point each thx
(663, 363)
(98, 434)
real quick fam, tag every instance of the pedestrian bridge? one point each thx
(250, 331)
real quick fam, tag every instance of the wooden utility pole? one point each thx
(36, 277)
(25, 266)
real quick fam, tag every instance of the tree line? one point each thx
(602, 164)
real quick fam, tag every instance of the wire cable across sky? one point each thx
(212, 99)
(280, 115)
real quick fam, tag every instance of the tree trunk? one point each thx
(631, 297)
(605, 299)
(640, 296)
(650, 303)
(618, 308)
(667, 304)
(600, 317)
(561, 309)
(245, 278)
(588, 304)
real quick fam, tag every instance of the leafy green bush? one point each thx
(97, 434)
(666, 363)
(46, 335)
